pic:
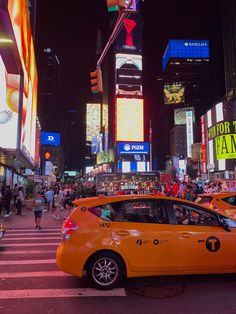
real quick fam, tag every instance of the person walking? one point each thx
(49, 197)
(38, 206)
(15, 194)
(7, 200)
(19, 201)
(1, 201)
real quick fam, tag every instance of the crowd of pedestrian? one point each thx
(7, 195)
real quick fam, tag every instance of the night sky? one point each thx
(70, 30)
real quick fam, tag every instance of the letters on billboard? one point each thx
(50, 138)
(174, 93)
(224, 135)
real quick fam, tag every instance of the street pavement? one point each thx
(30, 281)
(26, 220)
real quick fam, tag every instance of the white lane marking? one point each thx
(27, 252)
(61, 293)
(53, 273)
(29, 262)
(29, 244)
(32, 238)
(30, 230)
(10, 235)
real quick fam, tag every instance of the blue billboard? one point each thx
(133, 148)
(50, 138)
(189, 48)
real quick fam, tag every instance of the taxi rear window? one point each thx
(204, 200)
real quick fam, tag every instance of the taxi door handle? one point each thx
(122, 232)
(185, 235)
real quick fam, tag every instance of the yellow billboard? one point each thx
(93, 120)
(225, 146)
(129, 120)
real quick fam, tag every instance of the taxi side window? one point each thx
(145, 212)
(189, 215)
(230, 200)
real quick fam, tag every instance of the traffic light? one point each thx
(112, 4)
(96, 81)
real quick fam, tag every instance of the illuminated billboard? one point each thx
(133, 148)
(189, 132)
(19, 15)
(186, 49)
(130, 36)
(180, 115)
(50, 138)
(129, 120)
(174, 93)
(129, 74)
(93, 120)
(218, 127)
(9, 111)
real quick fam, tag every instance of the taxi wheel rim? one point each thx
(105, 271)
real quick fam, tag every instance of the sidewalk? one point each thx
(26, 220)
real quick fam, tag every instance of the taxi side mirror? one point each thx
(225, 226)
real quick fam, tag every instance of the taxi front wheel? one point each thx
(105, 270)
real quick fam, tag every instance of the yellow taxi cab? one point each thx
(225, 201)
(108, 238)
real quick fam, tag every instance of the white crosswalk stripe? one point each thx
(26, 254)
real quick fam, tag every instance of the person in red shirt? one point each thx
(175, 189)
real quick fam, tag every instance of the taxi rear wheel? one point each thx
(105, 270)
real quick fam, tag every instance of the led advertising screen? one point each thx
(129, 74)
(189, 132)
(93, 120)
(180, 115)
(130, 36)
(129, 120)
(50, 138)
(9, 111)
(219, 130)
(186, 49)
(174, 93)
(19, 15)
(133, 148)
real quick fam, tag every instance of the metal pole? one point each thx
(116, 30)
(150, 141)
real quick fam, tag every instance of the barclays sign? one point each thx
(133, 148)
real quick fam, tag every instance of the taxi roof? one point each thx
(102, 199)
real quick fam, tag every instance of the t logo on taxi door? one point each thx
(213, 244)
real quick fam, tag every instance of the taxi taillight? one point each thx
(69, 227)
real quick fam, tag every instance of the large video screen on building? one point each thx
(93, 120)
(174, 93)
(129, 74)
(219, 130)
(19, 15)
(186, 49)
(9, 111)
(130, 36)
(50, 138)
(180, 115)
(129, 120)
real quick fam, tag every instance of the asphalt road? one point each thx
(31, 283)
